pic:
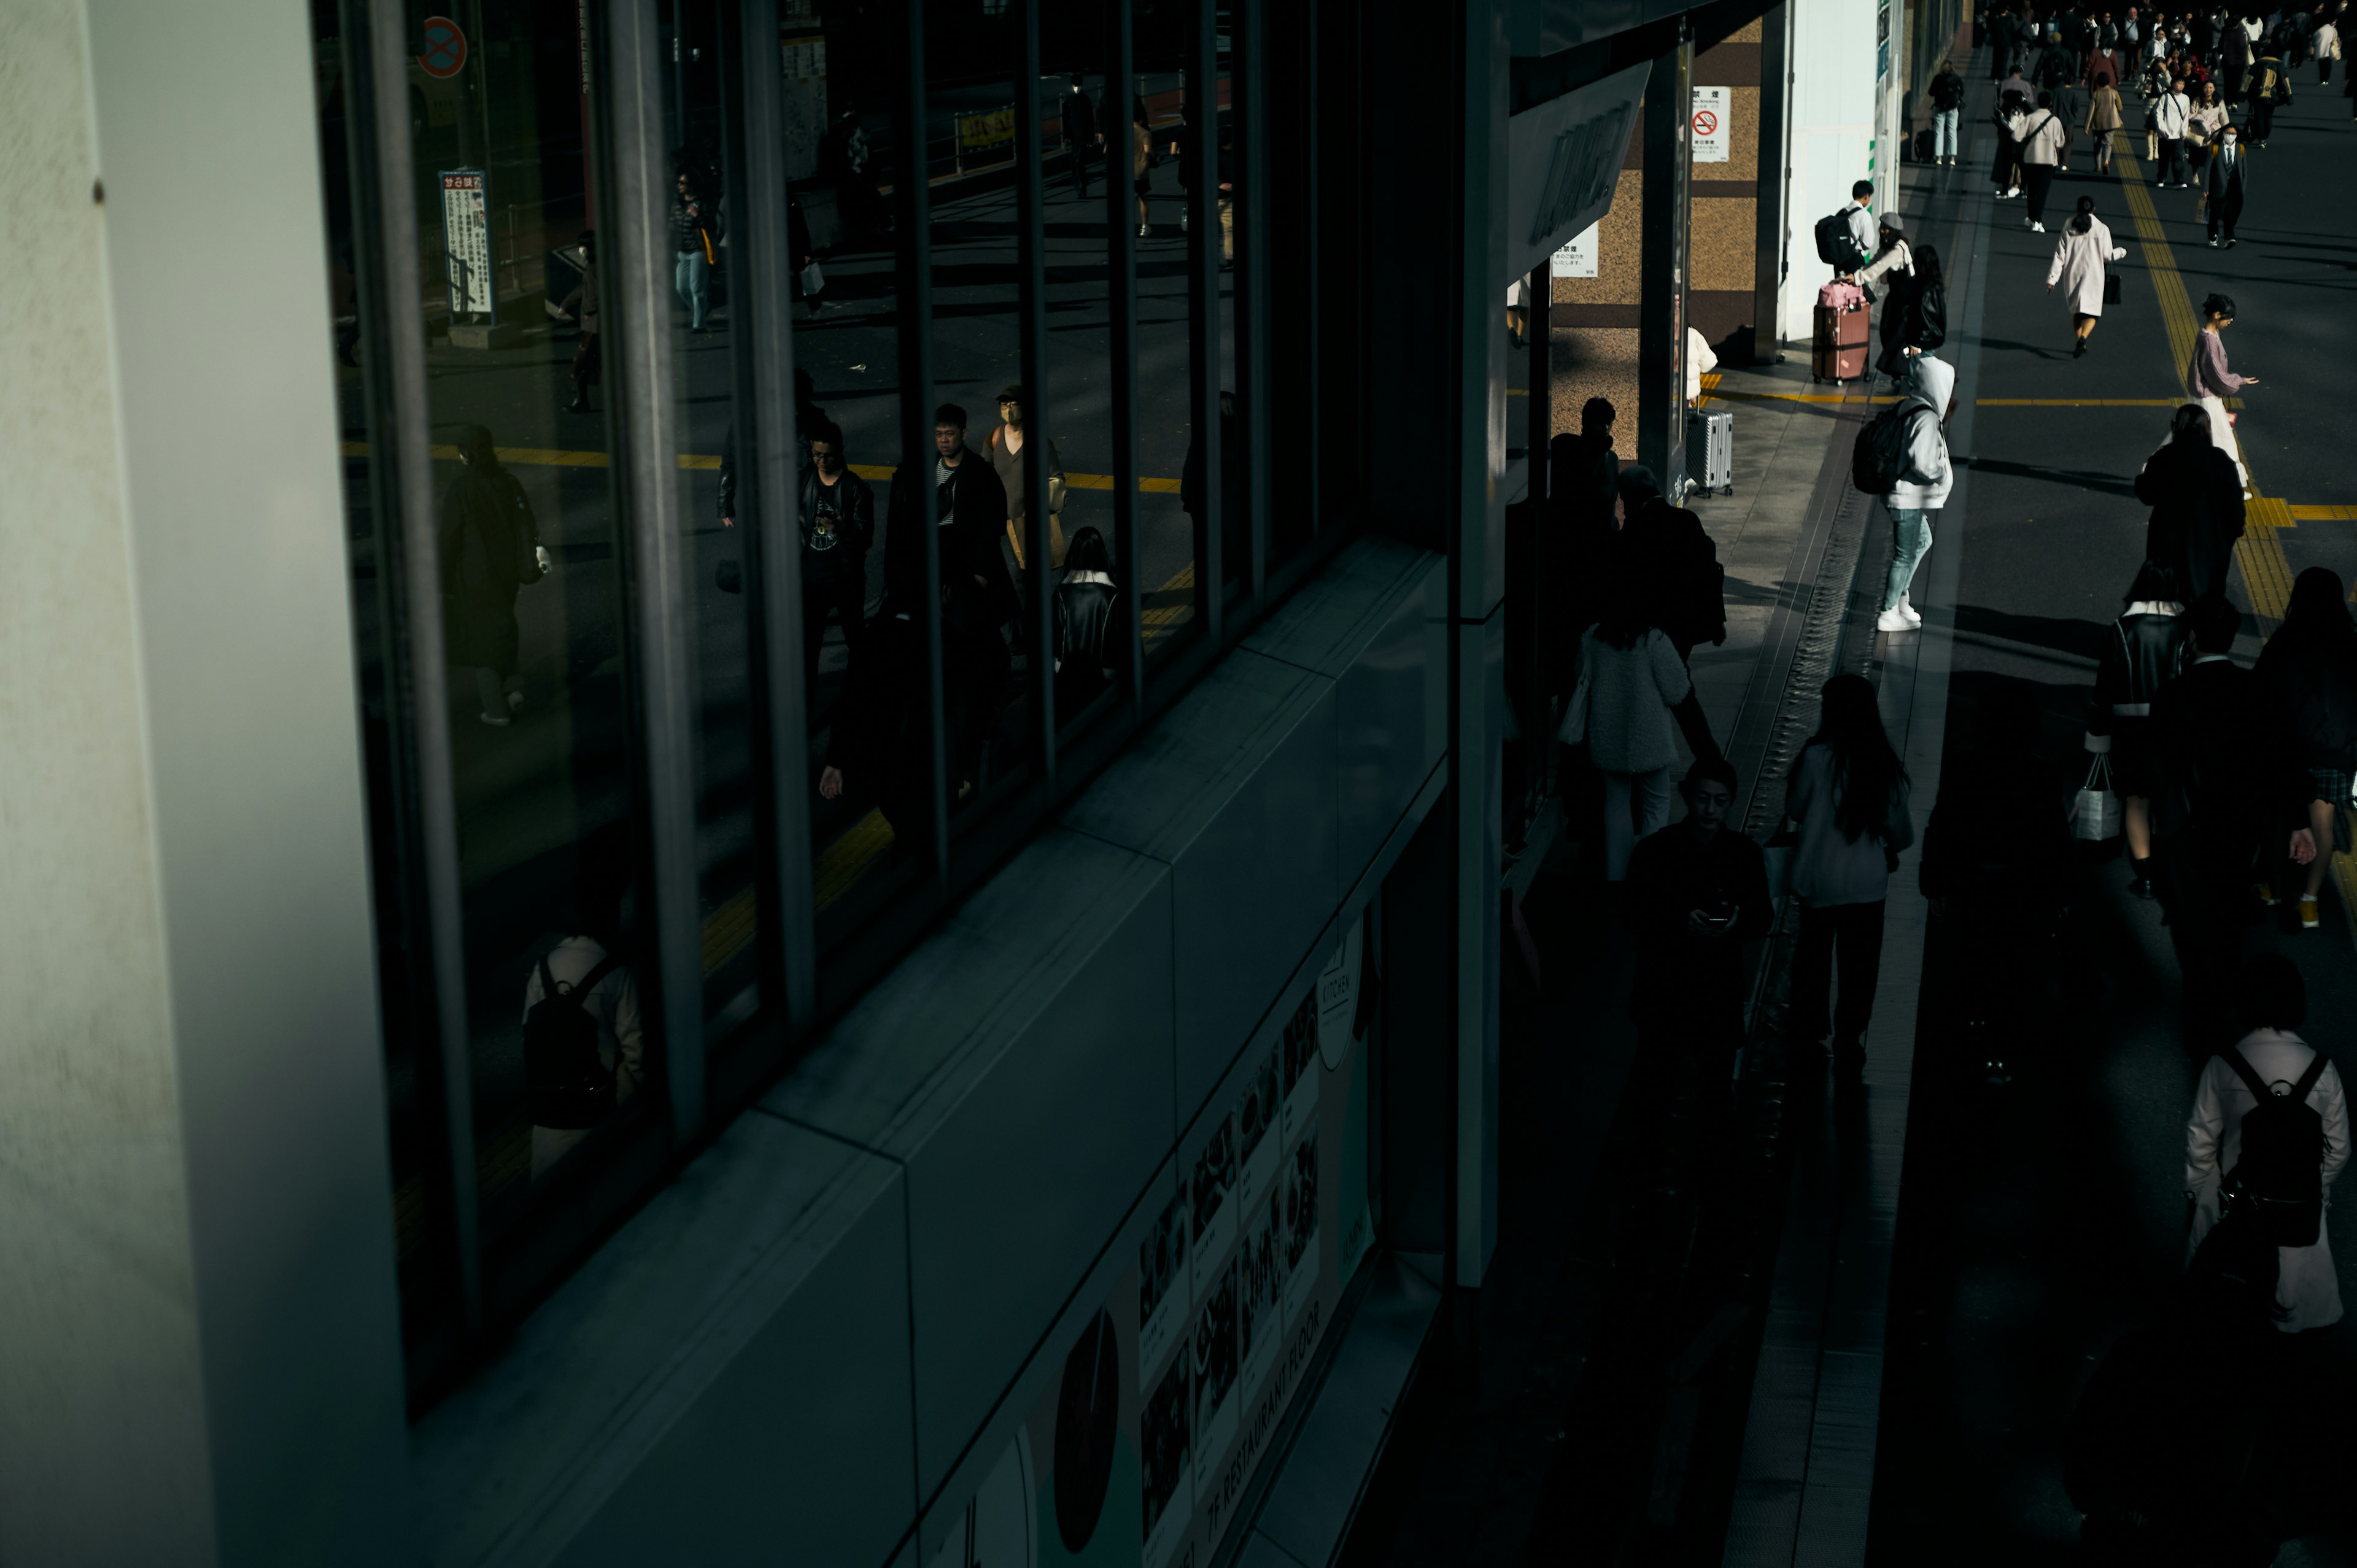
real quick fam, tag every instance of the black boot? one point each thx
(2139, 877)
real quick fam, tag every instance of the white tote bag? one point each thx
(2096, 811)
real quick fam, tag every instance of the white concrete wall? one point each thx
(1834, 106)
(198, 1354)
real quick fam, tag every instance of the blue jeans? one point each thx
(693, 278)
(1943, 133)
(1910, 530)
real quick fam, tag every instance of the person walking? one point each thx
(581, 307)
(2308, 670)
(2271, 1061)
(490, 549)
(693, 231)
(1669, 556)
(1696, 891)
(2146, 651)
(1082, 140)
(1860, 219)
(2210, 115)
(1007, 445)
(2010, 118)
(1922, 484)
(2266, 91)
(2170, 113)
(1914, 305)
(1848, 795)
(2326, 44)
(1947, 111)
(2226, 785)
(2045, 139)
(1141, 161)
(1087, 605)
(1575, 553)
(2055, 76)
(1630, 678)
(2196, 505)
(838, 525)
(2081, 258)
(2211, 383)
(2105, 118)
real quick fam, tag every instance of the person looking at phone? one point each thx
(1698, 891)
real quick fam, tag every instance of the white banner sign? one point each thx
(1577, 258)
(466, 238)
(1710, 134)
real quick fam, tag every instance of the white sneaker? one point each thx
(1906, 607)
(1144, 231)
(2038, 228)
(1893, 620)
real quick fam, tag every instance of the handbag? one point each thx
(2111, 288)
(1575, 713)
(814, 281)
(2096, 811)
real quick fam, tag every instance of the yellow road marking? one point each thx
(2323, 513)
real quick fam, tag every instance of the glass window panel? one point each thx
(1166, 347)
(865, 685)
(706, 319)
(535, 591)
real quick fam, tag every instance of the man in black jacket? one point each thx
(2228, 788)
(965, 502)
(1696, 892)
(838, 523)
(1081, 139)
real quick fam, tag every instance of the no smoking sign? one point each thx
(1710, 124)
(446, 48)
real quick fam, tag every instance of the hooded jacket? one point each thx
(1927, 478)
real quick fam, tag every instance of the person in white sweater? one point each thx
(1922, 488)
(1848, 795)
(1630, 678)
(2273, 1001)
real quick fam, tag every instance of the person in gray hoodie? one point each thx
(1923, 484)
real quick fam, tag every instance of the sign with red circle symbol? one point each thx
(1710, 128)
(446, 48)
(1706, 124)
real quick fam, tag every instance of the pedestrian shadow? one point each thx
(2079, 640)
(2070, 478)
(2022, 348)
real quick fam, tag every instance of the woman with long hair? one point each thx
(2196, 505)
(490, 549)
(2081, 257)
(2146, 651)
(2308, 670)
(1630, 678)
(1848, 794)
(1087, 604)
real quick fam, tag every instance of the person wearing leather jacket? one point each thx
(2146, 651)
(1087, 603)
(838, 523)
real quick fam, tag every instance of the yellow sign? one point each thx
(976, 132)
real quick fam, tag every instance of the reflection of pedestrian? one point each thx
(1848, 793)
(585, 970)
(838, 524)
(692, 234)
(1007, 458)
(490, 548)
(1082, 141)
(1087, 606)
(581, 305)
(1141, 162)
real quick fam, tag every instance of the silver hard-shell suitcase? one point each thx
(1710, 449)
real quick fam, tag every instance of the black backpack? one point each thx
(2279, 1178)
(566, 1081)
(1880, 456)
(1836, 246)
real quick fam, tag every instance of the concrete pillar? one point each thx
(1726, 197)
(200, 1360)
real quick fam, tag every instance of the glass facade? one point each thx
(787, 451)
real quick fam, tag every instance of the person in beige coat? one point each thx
(2274, 1001)
(2104, 119)
(2080, 259)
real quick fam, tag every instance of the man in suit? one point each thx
(2228, 785)
(2224, 184)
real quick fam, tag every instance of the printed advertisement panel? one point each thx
(1140, 1455)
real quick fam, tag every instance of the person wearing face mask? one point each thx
(2224, 186)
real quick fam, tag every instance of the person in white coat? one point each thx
(1630, 678)
(2081, 257)
(2274, 1003)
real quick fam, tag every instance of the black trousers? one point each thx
(2040, 179)
(2172, 160)
(840, 594)
(2226, 212)
(1857, 931)
(1081, 158)
(2262, 115)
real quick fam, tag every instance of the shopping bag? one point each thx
(2095, 812)
(814, 281)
